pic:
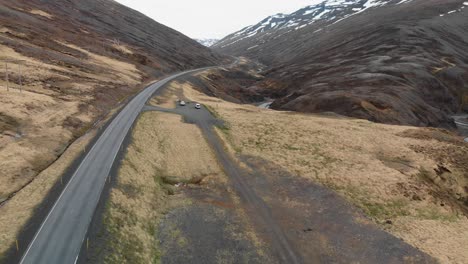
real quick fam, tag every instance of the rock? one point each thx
(416, 197)
(441, 170)
(172, 180)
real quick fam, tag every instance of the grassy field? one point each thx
(18, 209)
(410, 181)
(16, 213)
(164, 153)
(56, 105)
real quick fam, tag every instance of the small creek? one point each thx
(265, 104)
(462, 124)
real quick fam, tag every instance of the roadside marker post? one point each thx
(17, 246)
(20, 78)
(6, 76)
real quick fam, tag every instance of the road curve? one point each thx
(60, 236)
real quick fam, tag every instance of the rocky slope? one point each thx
(399, 62)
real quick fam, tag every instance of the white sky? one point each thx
(213, 18)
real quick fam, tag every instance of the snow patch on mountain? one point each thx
(326, 13)
(456, 10)
(207, 42)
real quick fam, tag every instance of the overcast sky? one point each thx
(213, 18)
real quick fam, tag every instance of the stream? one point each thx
(462, 124)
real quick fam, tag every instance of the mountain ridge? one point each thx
(326, 13)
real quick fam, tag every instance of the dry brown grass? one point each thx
(56, 106)
(162, 147)
(42, 136)
(122, 48)
(17, 212)
(34, 70)
(168, 97)
(40, 117)
(372, 165)
(41, 13)
(126, 72)
(48, 118)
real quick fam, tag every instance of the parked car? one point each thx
(182, 103)
(198, 106)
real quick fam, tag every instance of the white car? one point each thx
(198, 106)
(182, 103)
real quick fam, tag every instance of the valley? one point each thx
(332, 134)
(412, 202)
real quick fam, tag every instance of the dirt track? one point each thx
(300, 222)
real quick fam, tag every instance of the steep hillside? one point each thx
(69, 63)
(399, 62)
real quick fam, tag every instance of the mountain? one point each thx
(398, 62)
(249, 39)
(207, 42)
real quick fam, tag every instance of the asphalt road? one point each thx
(61, 235)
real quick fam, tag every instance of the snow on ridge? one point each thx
(338, 2)
(310, 11)
(324, 11)
(404, 1)
(456, 10)
(207, 42)
(253, 47)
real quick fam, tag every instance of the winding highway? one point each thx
(61, 234)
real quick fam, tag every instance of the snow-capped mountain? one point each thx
(323, 14)
(207, 42)
(392, 61)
